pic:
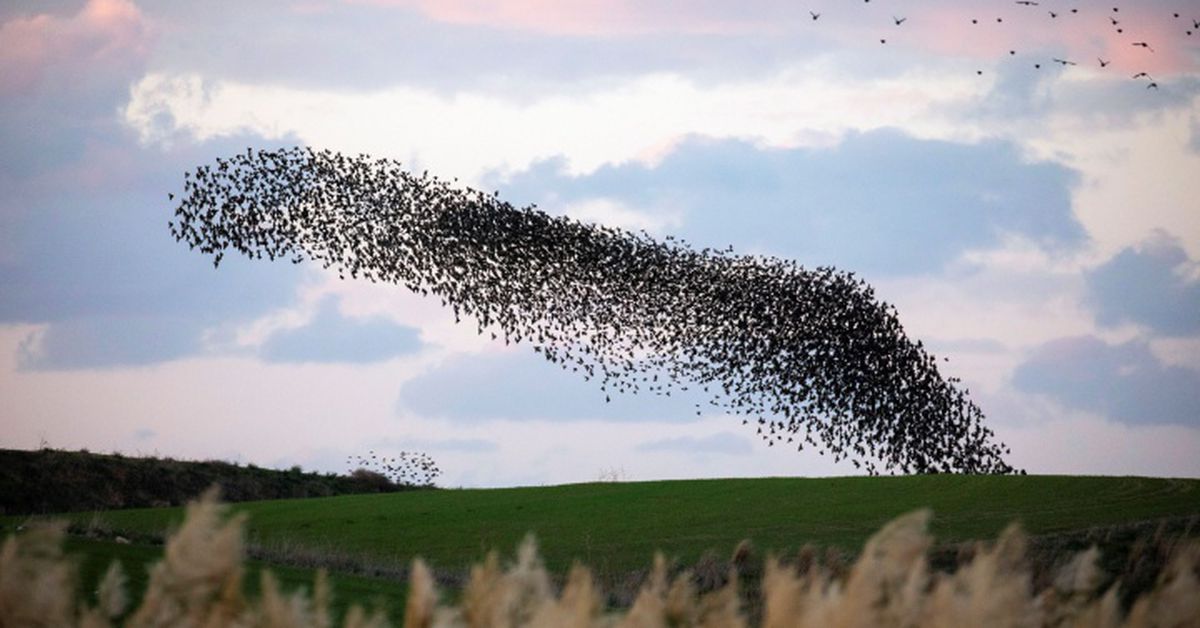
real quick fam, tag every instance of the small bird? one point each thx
(815, 16)
(1053, 14)
(899, 20)
(1103, 63)
(1142, 75)
(1028, 3)
(1152, 85)
(1142, 44)
(1064, 62)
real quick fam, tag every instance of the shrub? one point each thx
(199, 583)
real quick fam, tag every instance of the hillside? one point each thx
(367, 541)
(617, 527)
(51, 480)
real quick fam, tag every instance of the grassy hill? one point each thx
(617, 527)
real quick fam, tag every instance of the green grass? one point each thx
(616, 527)
(94, 557)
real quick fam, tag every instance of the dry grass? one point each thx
(198, 583)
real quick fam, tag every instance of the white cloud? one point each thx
(616, 214)
(1065, 442)
(1137, 178)
(604, 121)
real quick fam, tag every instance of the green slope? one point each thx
(617, 527)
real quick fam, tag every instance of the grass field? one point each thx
(617, 527)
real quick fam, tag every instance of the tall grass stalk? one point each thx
(198, 583)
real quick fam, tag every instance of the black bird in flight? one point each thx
(1028, 3)
(1152, 85)
(1103, 63)
(1142, 44)
(899, 20)
(1142, 75)
(815, 16)
(1064, 62)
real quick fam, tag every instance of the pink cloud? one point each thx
(102, 33)
(1083, 38)
(936, 26)
(599, 17)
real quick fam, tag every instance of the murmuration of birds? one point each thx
(412, 468)
(808, 357)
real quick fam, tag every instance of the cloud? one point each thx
(589, 123)
(90, 255)
(608, 212)
(1086, 93)
(725, 443)
(1124, 382)
(108, 342)
(1194, 135)
(880, 201)
(600, 18)
(1154, 284)
(521, 385)
(329, 337)
(103, 34)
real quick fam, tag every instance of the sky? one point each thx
(1036, 222)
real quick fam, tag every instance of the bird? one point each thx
(1152, 85)
(1142, 75)
(1064, 62)
(1029, 3)
(815, 16)
(899, 20)
(1142, 44)
(1103, 63)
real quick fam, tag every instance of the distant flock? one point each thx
(805, 357)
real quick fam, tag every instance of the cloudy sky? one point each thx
(1039, 226)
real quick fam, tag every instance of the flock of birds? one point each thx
(807, 357)
(1188, 26)
(413, 468)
